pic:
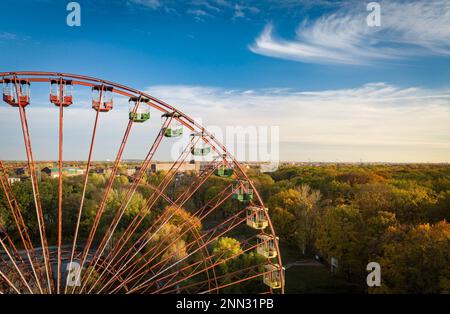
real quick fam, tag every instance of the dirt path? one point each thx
(303, 263)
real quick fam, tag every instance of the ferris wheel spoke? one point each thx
(10, 242)
(198, 182)
(207, 171)
(168, 259)
(83, 193)
(35, 187)
(155, 250)
(238, 280)
(212, 232)
(211, 258)
(107, 190)
(189, 255)
(219, 199)
(130, 269)
(143, 212)
(201, 284)
(60, 184)
(8, 281)
(16, 267)
(187, 230)
(20, 225)
(219, 260)
(132, 227)
(180, 273)
(212, 239)
(153, 198)
(191, 275)
(216, 198)
(204, 254)
(182, 261)
(195, 187)
(18, 256)
(204, 175)
(130, 193)
(254, 269)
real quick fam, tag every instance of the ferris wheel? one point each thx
(142, 254)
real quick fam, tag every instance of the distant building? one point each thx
(270, 167)
(19, 171)
(166, 166)
(68, 172)
(103, 171)
(98, 171)
(46, 171)
(136, 173)
(13, 180)
(131, 171)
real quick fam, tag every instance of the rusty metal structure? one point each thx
(126, 263)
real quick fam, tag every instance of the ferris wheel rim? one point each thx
(191, 124)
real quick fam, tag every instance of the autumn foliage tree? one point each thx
(416, 260)
(295, 212)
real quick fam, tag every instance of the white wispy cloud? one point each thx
(408, 29)
(201, 9)
(377, 121)
(152, 4)
(8, 36)
(209, 5)
(386, 118)
(199, 14)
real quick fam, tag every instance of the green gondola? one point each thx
(243, 196)
(175, 128)
(224, 172)
(142, 113)
(243, 192)
(171, 132)
(200, 151)
(139, 117)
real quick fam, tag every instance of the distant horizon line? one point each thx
(240, 161)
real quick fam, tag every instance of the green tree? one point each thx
(295, 214)
(340, 235)
(226, 247)
(417, 260)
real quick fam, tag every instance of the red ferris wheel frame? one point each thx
(186, 121)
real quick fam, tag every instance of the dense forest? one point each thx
(396, 215)
(166, 243)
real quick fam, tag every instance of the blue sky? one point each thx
(339, 90)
